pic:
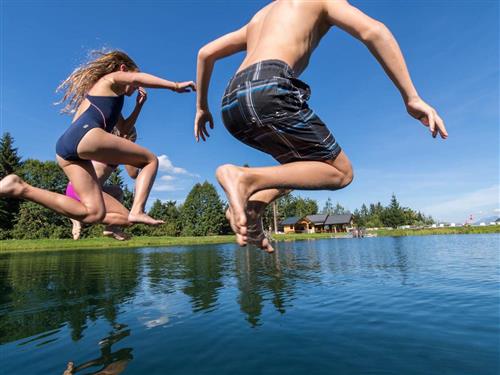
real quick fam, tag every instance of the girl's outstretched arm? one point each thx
(226, 45)
(139, 79)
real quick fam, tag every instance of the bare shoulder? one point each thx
(262, 13)
(333, 9)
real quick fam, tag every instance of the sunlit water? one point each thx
(413, 305)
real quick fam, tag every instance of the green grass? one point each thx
(435, 231)
(103, 242)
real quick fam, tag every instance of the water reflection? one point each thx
(158, 304)
(42, 292)
(110, 362)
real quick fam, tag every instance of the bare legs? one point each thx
(106, 148)
(242, 184)
(255, 207)
(113, 231)
(94, 206)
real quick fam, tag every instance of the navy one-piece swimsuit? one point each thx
(103, 112)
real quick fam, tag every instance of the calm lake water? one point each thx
(408, 305)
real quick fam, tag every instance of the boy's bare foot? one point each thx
(11, 186)
(142, 218)
(241, 240)
(256, 235)
(115, 232)
(76, 231)
(230, 178)
(69, 368)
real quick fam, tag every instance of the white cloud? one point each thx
(482, 200)
(165, 165)
(166, 187)
(175, 179)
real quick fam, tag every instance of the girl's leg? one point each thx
(76, 229)
(240, 183)
(107, 148)
(114, 231)
(91, 208)
(88, 188)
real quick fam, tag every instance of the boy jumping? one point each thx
(265, 104)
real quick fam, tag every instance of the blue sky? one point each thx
(451, 48)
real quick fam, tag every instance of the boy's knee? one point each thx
(347, 177)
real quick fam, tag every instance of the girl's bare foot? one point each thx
(230, 178)
(142, 218)
(115, 232)
(12, 186)
(76, 231)
(241, 240)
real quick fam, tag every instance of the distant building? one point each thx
(339, 223)
(321, 223)
(318, 222)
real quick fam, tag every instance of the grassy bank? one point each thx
(437, 231)
(103, 242)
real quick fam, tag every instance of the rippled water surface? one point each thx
(412, 305)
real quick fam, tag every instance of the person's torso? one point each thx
(103, 110)
(285, 30)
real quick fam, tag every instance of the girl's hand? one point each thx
(428, 116)
(184, 86)
(142, 96)
(200, 123)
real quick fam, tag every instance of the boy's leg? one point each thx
(255, 207)
(241, 183)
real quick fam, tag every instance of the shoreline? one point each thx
(9, 246)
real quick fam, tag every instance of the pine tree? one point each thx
(168, 212)
(328, 208)
(116, 179)
(10, 162)
(202, 213)
(339, 209)
(393, 216)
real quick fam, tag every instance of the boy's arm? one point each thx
(226, 45)
(382, 44)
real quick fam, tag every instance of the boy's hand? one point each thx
(142, 96)
(200, 123)
(428, 116)
(185, 86)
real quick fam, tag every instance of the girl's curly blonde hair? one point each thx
(76, 86)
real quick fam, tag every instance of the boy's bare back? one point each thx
(287, 30)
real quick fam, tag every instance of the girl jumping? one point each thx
(95, 91)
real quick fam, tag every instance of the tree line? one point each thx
(201, 214)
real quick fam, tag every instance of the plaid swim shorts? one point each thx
(265, 107)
